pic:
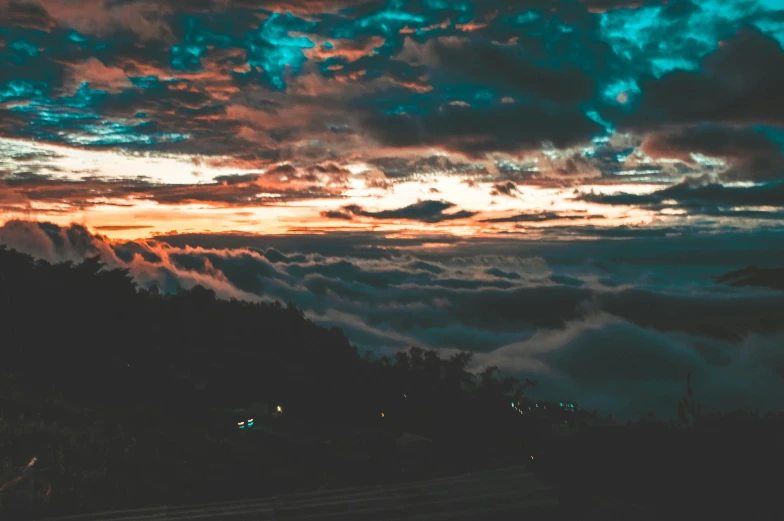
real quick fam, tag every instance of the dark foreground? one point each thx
(498, 494)
(140, 412)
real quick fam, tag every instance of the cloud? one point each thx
(430, 211)
(609, 5)
(98, 75)
(508, 189)
(64, 193)
(753, 276)
(619, 232)
(404, 168)
(99, 17)
(345, 215)
(697, 195)
(475, 132)
(542, 217)
(735, 84)
(750, 155)
(121, 227)
(53, 243)
(612, 364)
(575, 166)
(508, 67)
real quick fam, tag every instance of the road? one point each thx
(492, 495)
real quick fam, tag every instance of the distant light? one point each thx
(532, 457)
(280, 409)
(404, 395)
(240, 423)
(382, 414)
(250, 421)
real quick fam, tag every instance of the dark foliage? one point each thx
(150, 364)
(88, 331)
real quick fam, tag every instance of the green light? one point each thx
(242, 426)
(561, 403)
(512, 404)
(250, 424)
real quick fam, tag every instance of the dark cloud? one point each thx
(542, 217)
(423, 211)
(575, 166)
(402, 168)
(696, 195)
(609, 5)
(26, 15)
(753, 276)
(338, 214)
(19, 190)
(496, 272)
(737, 83)
(508, 189)
(619, 232)
(750, 154)
(476, 132)
(513, 69)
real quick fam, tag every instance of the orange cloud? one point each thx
(98, 75)
(349, 50)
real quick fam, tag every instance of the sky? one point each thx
(549, 184)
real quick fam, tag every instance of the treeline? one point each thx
(87, 331)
